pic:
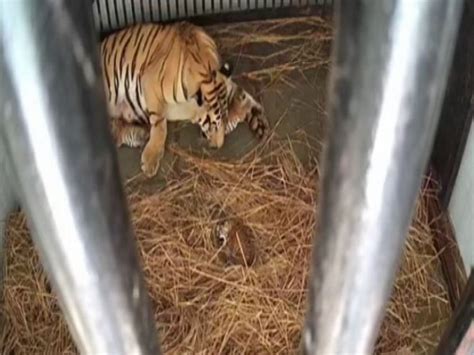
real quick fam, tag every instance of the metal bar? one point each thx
(8, 196)
(67, 174)
(171, 10)
(391, 60)
(457, 113)
(8, 200)
(458, 337)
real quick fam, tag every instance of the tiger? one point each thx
(155, 73)
(242, 108)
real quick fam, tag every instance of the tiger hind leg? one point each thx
(155, 147)
(244, 108)
(129, 134)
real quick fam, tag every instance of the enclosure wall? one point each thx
(110, 15)
(461, 206)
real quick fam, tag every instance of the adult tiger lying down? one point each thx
(156, 73)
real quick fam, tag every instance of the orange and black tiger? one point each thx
(157, 73)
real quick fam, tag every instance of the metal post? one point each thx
(55, 133)
(458, 337)
(8, 202)
(391, 60)
(8, 196)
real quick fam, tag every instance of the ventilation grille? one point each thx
(110, 15)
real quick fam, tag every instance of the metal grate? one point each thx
(110, 15)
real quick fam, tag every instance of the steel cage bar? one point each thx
(458, 337)
(56, 138)
(8, 202)
(390, 67)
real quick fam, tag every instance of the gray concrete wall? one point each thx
(461, 206)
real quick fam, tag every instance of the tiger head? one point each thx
(235, 105)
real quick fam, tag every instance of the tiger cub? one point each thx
(156, 73)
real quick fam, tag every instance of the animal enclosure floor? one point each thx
(275, 62)
(285, 65)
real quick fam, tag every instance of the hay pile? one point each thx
(200, 305)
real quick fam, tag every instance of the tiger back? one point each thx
(148, 67)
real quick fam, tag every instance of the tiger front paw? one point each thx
(150, 162)
(216, 138)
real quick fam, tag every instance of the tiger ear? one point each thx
(227, 69)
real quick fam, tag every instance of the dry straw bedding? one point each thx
(203, 306)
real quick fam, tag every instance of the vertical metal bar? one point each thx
(458, 337)
(207, 5)
(172, 9)
(129, 12)
(104, 15)
(96, 14)
(390, 68)
(164, 10)
(137, 9)
(67, 174)
(147, 11)
(8, 195)
(120, 10)
(8, 199)
(190, 11)
(156, 11)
